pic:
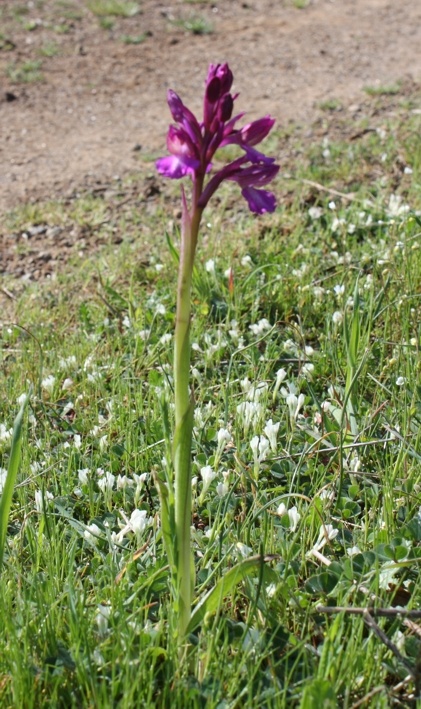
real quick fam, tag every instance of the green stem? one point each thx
(184, 408)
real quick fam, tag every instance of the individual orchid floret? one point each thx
(193, 144)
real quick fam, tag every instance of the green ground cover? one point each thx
(307, 380)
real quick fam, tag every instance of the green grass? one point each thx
(332, 104)
(300, 4)
(195, 24)
(115, 8)
(326, 289)
(6, 44)
(26, 73)
(49, 49)
(69, 10)
(383, 90)
(134, 38)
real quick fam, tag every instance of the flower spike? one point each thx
(192, 145)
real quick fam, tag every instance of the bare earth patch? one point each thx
(99, 105)
(83, 95)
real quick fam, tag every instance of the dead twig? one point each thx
(374, 612)
(371, 623)
(349, 197)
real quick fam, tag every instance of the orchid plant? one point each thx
(192, 146)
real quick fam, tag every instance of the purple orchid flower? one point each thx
(192, 145)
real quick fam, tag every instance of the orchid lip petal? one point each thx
(254, 175)
(259, 201)
(257, 157)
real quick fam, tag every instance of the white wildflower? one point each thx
(222, 489)
(280, 376)
(250, 412)
(336, 223)
(307, 370)
(102, 617)
(387, 575)
(106, 482)
(244, 549)
(339, 290)
(42, 500)
(48, 383)
(400, 381)
(94, 376)
(315, 212)
(293, 515)
(207, 474)
(327, 494)
(83, 475)
(3, 476)
(5, 433)
(210, 266)
(291, 347)
(295, 404)
(256, 391)
(353, 551)
(138, 521)
(123, 481)
(337, 317)
(223, 437)
(318, 292)
(327, 533)
(246, 260)
(395, 207)
(271, 431)
(67, 362)
(261, 327)
(142, 478)
(68, 408)
(92, 533)
(294, 518)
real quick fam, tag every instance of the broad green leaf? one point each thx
(12, 471)
(213, 599)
